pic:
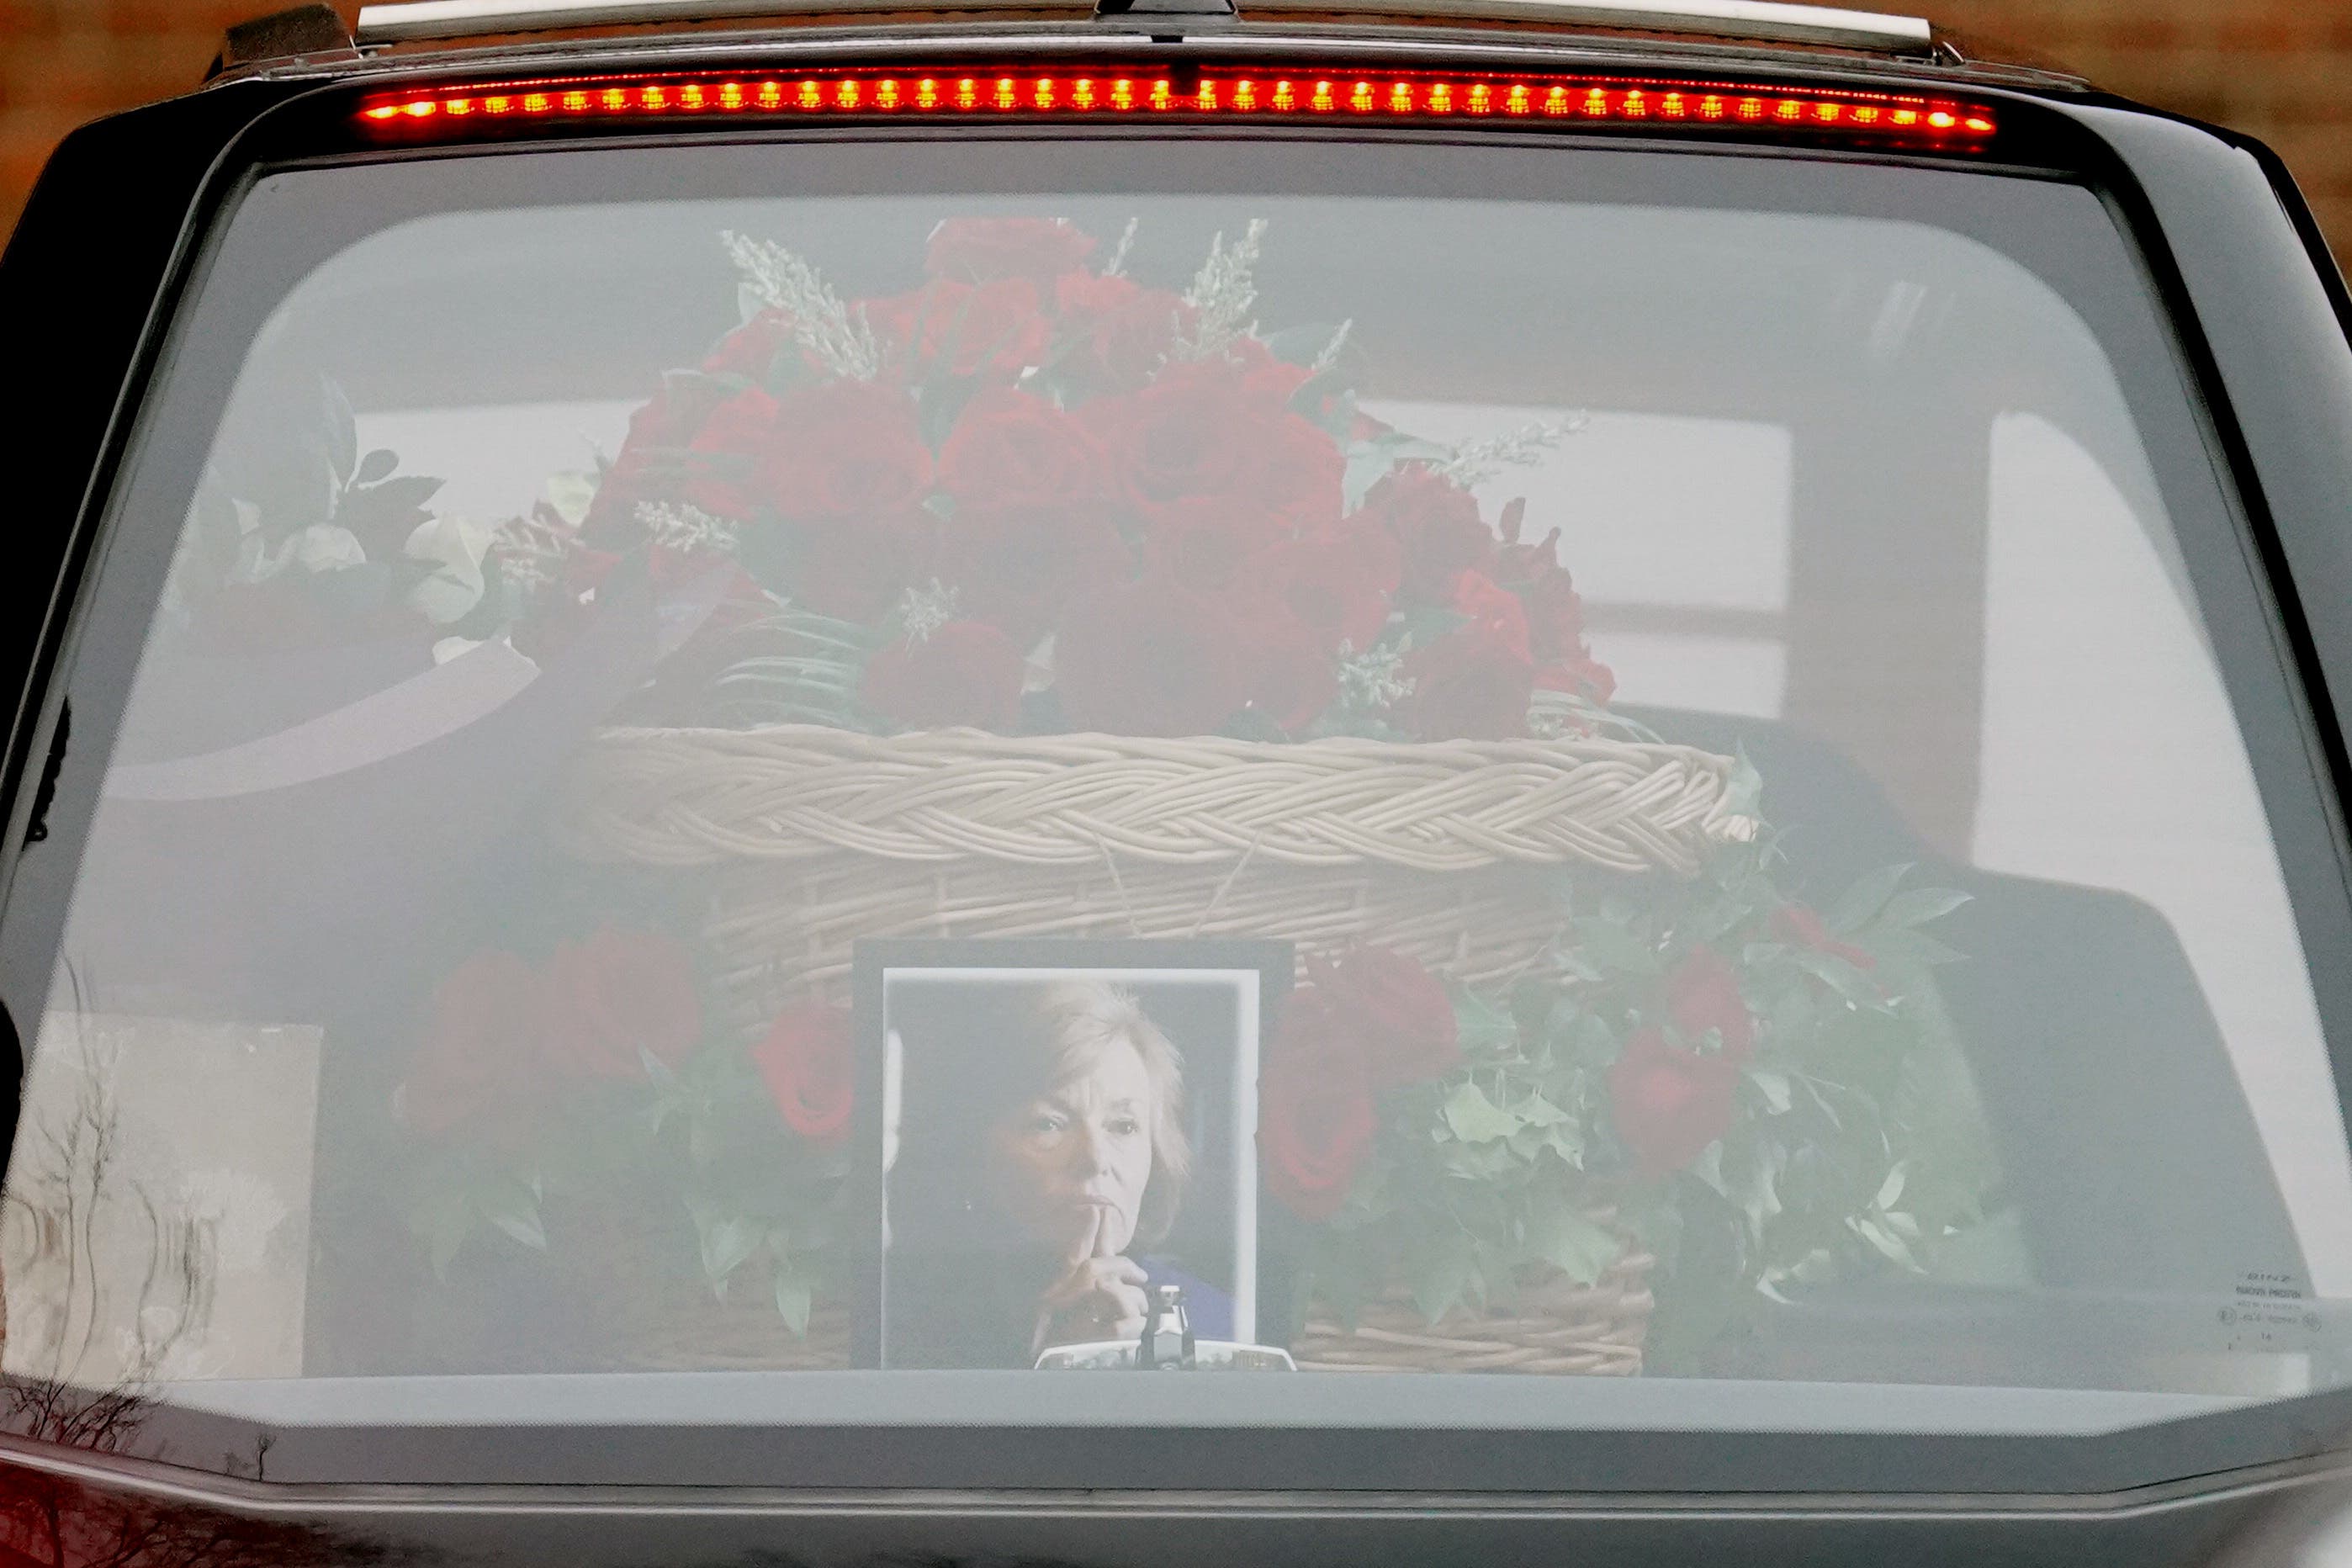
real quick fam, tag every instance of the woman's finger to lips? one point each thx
(1085, 1239)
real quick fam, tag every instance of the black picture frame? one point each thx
(1277, 1250)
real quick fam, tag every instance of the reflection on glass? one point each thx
(1694, 955)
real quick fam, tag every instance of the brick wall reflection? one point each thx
(2279, 68)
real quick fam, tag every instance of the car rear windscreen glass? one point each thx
(900, 760)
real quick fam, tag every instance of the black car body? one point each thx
(121, 253)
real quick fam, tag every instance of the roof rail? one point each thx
(1765, 19)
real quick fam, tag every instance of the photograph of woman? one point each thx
(1063, 1144)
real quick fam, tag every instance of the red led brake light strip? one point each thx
(1224, 95)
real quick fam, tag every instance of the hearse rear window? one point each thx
(809, 769)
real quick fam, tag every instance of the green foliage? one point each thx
(1856, 1146)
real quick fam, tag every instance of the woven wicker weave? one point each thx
(1558, 1327)
(820, 838)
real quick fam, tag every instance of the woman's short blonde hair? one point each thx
(1078, 1021)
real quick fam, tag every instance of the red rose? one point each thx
(848, 450)
(1204, 543)
(982, 249)
(1669, 1103)
(1201, 430)
(1801, 927)
(853, 569)
(1555, 613)
(1126, 330)
(724, 460)
(1396, 1010)
(995, 327)
(807, 1062)
(1436, 524)
(1017, 566)
(651, 462)
(477, 1070)
(1472, 684)
(617, 998)
(1012, 448)
(1493, 611)
(1148, 657)
(1316, 1116)
(1703, 994)
(964, 673)
(1338, 583)
(1290, 675)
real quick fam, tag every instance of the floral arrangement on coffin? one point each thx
(1033, 495)
(1760, 1096)
(586, 1074)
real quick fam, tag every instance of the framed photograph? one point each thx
(1053, 1131)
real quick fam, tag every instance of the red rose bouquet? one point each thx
(1036, 495)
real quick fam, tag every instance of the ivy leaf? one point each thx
(1744, 787)
(511, 1206)
(1612, 946)
(1566, 1238)
(1885, 1242)
(1474, 1117)
(406, 493)
(1482, 1026)
(1918, 906)
(1441, 1286)
(1866, 898)
(1537, 1112)
(727, 1245)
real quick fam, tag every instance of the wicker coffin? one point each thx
(814, 839)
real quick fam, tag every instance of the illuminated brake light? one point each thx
(1683, 107)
